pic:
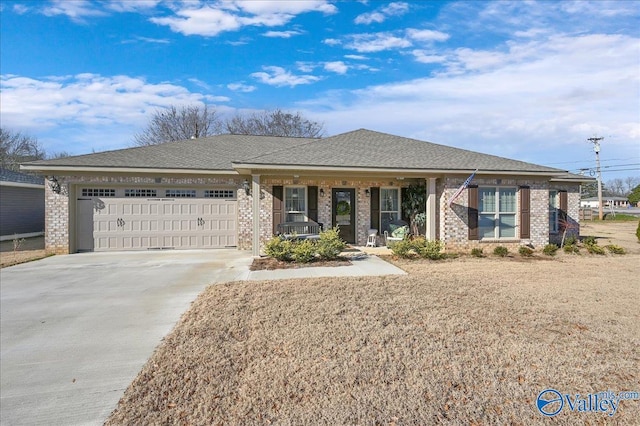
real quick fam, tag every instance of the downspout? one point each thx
(431, 209)
(255, 192)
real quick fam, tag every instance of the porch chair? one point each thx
(399, 231)
(372, 238)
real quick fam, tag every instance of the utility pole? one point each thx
(596, 147)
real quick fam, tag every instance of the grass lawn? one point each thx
(463, 341)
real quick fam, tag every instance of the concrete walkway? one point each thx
(367, 265)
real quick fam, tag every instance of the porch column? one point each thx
(255, 194)
(431, 209)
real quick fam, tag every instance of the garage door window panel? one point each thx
(180, 193)
(141, 193)
(98, 192)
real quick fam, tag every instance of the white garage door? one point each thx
(152, 218)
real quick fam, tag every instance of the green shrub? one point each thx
(571, 240)
(279, 248)
(419, 246)
(525, 251)
(304, 251)
(550, 249)
(614, 249)
(477, 252)
(590, 241)
(428, 249)
(403, 248)
(571, 249)
(330, 245)
(638, 231)
(595, 249)
(501, 251)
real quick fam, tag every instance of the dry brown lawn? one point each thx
(462, 341)
(24, 250)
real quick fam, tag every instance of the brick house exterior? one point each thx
(255, 173)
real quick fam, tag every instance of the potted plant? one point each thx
(414, 204)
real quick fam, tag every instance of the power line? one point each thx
(588, 161)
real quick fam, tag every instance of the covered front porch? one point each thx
(354, 204)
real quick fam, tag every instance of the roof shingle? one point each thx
(357, 149)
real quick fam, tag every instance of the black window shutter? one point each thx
(278, 218)
(562, 214)
(375, 208)
(474, 233)
(525, 212)
(312, 193)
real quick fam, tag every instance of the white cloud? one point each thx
(368, 18)
(289, 8)
(382, 13)
(282, 34)
(535, 101)
(147, 40)
(426, 35)
(426, 57)
(241, 87)
(338, 67)
(332, 42)
(196, 18)
(20, 9)
(131, 6)
(277, 76)
(86, 100)
(75, 10)
(356, 57)
(305, 66)
(376, 42)
(205, 21)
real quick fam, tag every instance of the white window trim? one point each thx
(382, 211)
(306, 201)
(497, 213)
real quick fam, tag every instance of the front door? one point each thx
(344, 213)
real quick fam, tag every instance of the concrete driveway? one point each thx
(75, 330)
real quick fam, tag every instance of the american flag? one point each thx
(462, 188)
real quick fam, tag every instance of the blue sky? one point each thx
(526, 80)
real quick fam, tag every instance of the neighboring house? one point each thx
(608, 201)
(21, 205)
(234, 190)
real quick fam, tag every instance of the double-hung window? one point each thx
(553, 211)
(497, 212)
(295, 202)
(389, 207)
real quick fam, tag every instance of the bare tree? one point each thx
(175, 124)
(630, 183)
(616, 187)
(16, 148)
(274, 123)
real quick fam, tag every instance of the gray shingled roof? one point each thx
(7, 175)
(356, 149)
(368, 149)
(210, 153)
